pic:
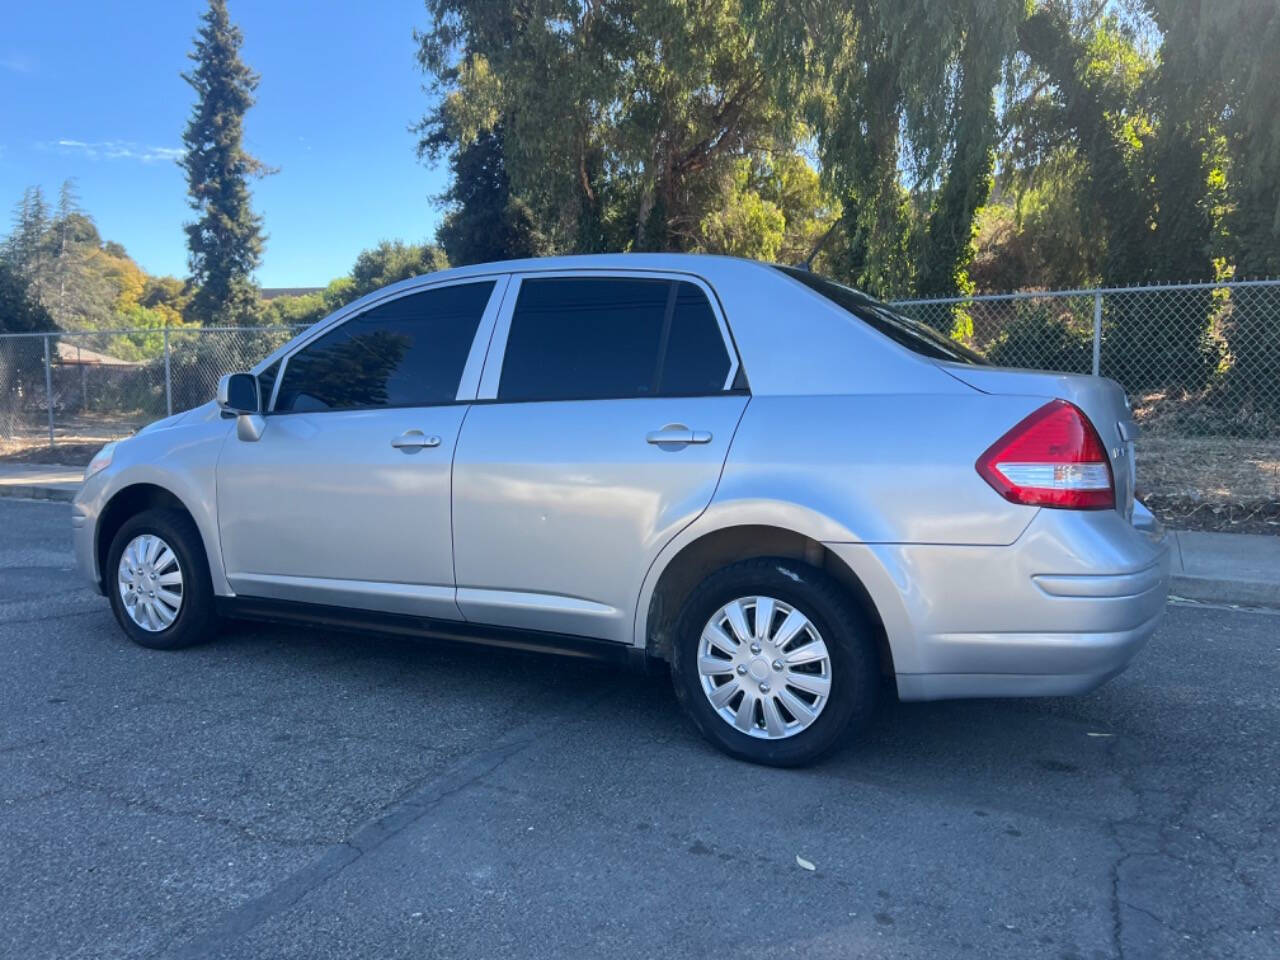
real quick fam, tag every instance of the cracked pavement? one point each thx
(288, 792)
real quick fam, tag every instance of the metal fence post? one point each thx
(1097, 332)
(84, 382)
(48, 386)
(168, 381)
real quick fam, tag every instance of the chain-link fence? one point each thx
(68, 391)
(1200, 362)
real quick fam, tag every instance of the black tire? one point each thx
(196, 621)
(844, 629)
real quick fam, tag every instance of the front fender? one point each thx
(181, 460)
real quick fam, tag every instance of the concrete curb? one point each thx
(31, 491)
(1239, 568)
(1245, 593)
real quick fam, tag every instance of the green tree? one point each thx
(620, 119)
(391, 261)
(388, 262)
(20, 312)
(22, 358)
(61, 259)
(1231, 46)
(225, 241)
(773, 208)
(484, 221)
(27, 246)
(1138, 123)
(900, 100)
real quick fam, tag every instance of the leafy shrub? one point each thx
(1045, 336)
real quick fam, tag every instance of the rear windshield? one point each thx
(915, 336)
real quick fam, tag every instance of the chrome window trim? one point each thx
(492, 371)
(469, 379)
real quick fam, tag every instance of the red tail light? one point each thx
(1053, 458)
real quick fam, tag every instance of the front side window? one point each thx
(589, 338)
(267, 383)
(406, 352)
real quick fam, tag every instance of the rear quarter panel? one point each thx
(876, 468)
(864, 470)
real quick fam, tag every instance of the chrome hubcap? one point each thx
(764, 667)
(150, 581)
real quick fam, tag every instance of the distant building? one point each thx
(69, 354)
(271, 293)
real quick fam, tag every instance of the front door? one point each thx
(344, 499)
(610, 412)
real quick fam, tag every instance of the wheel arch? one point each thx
(128, 502)
(691, 558)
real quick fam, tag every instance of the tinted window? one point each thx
(696, 360)
(267, 382)
(407, 352)
(588, 338)
(915, 336)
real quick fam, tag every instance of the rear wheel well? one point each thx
(699, 559)
(127, 503)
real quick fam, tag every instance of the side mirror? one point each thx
(238, 394)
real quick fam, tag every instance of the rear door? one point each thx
(605, 413)
(344, 499)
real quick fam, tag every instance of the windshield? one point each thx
(915, 336)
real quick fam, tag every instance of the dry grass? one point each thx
(1216, 469)
(1211, 483)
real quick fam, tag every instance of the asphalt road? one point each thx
(290, 793)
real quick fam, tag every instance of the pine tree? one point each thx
(485, 221)
(225, 242)
(27, 247)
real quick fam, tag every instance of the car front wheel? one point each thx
(773, 662)
(157, 577)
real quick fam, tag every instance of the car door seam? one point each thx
(635, 613)
(453, 461)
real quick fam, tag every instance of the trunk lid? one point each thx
(1102, 400)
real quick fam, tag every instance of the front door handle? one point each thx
(677, 434)
(413, 440)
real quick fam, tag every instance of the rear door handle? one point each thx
(677, 434)
(412, 440)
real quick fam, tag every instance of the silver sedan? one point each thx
(766, 480)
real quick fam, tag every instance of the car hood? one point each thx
(205, 412)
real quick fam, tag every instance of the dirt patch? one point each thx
(1223, 484)
(75, 454)
(1224, 470)
(75, 439)
(1183, 513)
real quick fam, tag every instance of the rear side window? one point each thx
(695, 360)
(587, 338)
(915, 336)
(407, 352)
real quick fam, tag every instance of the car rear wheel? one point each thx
(157, 578)
(773, 663)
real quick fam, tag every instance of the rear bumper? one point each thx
(1060, 611)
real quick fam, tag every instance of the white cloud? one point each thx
(117, 150)
(17, 63)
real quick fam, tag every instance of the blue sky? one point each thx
(92, 91)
